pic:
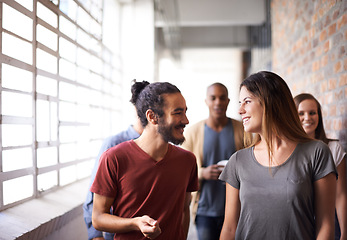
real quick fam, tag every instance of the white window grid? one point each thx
(59, 94)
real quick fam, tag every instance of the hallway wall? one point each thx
(309, 52)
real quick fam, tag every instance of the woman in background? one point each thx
(310, 114)
(282, 186)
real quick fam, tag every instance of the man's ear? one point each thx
(151, 117)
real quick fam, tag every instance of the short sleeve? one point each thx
(229, 173)
(337, 152)
(323, 161)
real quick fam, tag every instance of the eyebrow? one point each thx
(180, 110)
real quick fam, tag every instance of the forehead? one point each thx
(174, 101)
(308, 104)
(244, 93)
(216, 90)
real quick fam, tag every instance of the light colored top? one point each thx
(278, 204)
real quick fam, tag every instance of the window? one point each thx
(58, 77)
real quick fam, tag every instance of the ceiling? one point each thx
(207, 23)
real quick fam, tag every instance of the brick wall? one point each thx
(309, 44)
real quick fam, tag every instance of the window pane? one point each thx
(67, 112)
(42, 120)
(16, 78)
(16, 104)
(17, 48)
(83, 170)
(69, 7)
(82, 152)
(83, 19)
(67, 91)
(46, 61)
(83, 95)
(10, 133)
(23, 26)
(67, 175)
(46, 15)
(54, 121)
(67, 27)
(67, 69)
(67, 134)
(67, 153)
(47, 37)
(83, 76)
(47, 86)
(83, 58)
(67, 49)
(47, 156)
(16, 159)
(47, 180)
(18, 189)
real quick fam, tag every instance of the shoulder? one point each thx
(236, 122)
(119, 148)
(182, 152)
(196, 126)
(335, 146)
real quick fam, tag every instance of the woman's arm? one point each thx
(104, 221)
(232, 213)
(325, 195)
(341, 199)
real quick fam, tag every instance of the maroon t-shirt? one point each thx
(143, 186)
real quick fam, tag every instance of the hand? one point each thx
(211, 172)
(149, 227)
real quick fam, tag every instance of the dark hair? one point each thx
(218, 84)
(280, 116)
(151, 98)
(136, 88)
(319, 132)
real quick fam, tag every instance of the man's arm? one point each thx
(186, 213)
(104, 221)
(325, 194)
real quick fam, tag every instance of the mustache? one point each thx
(180, 126)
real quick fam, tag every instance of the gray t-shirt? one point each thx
(278, 204)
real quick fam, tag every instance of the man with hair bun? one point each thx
(133, 131)
(147, 182)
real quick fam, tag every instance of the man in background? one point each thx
(132, 132)
(212, 140)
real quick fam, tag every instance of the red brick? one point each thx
(324, 61)
(342, 21)
(332, 83)
(332, 110)
(343, 80)
(337, 67)
(315, 66)
(323, 36)
(323, 86)
(326, 46)
(332, 29)
(345, 63)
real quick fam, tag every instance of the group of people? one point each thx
(284, 179)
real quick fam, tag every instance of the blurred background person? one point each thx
(310, 114)
(212, 140)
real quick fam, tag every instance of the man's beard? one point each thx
(165, 130)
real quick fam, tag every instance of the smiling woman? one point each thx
(281, 174)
